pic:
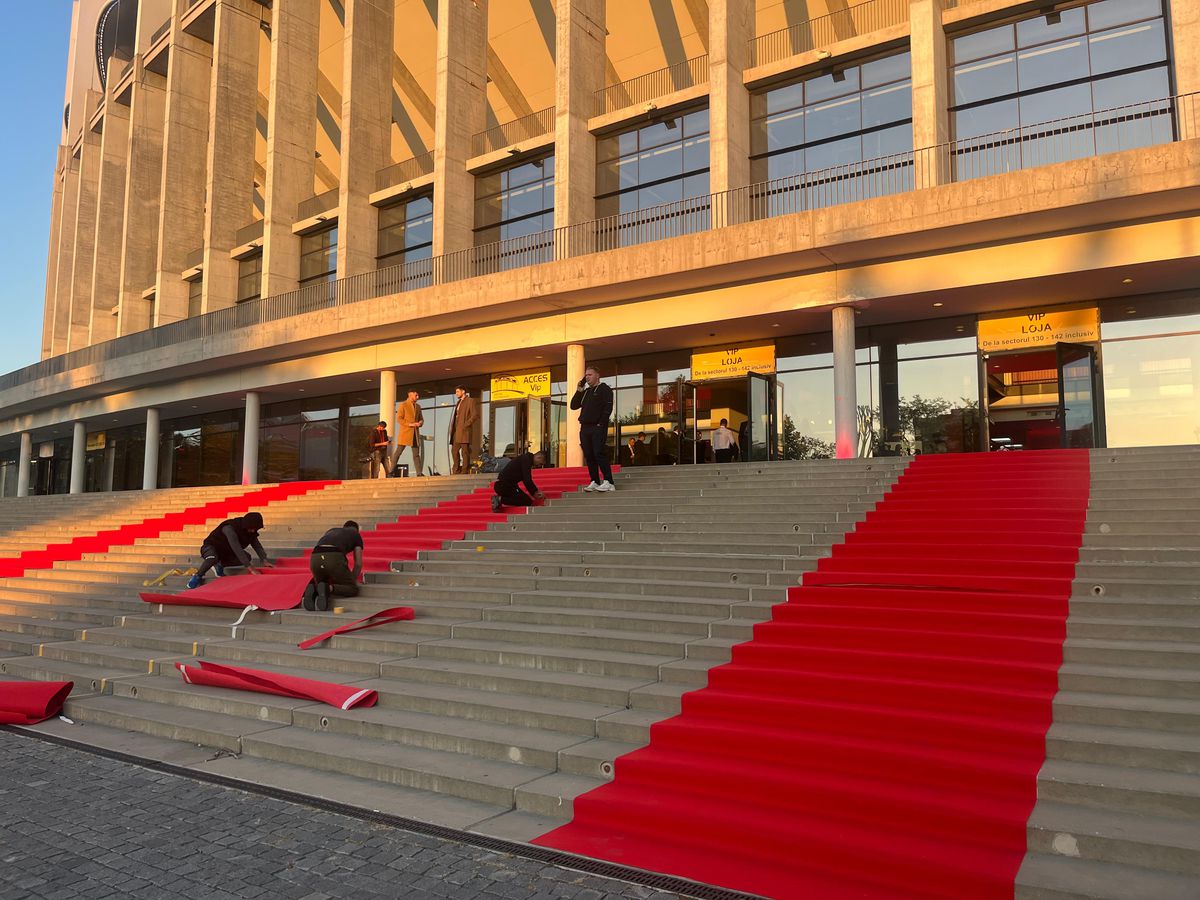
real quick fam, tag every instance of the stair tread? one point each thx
(1102, 880)
(1129, 702)
(1120, 825)
(1125, 737)
(544, 650)
(616, 682)
(1126, 777)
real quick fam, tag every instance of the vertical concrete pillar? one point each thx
(232, 130)
(60, 328)
(579, 73)
(143, 184)
(78, 456)
(23, 464)
(184, 167)
(56, 210)
(85, 228)
(730, 29)
(1185, 41)
(845, 384)
(291, 136)
(461, 109)
(250, 439)
(366, 129)
(110, 220)
(576, 362)
(150, 457)
(930, 92)
(387, 404)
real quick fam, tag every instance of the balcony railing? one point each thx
(1105, 131)
(652, 85)
(527, 128)
(314, 206)
(812, 34)
(405, 170)
(160, 31)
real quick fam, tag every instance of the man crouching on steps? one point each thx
(507, 485)
(226, 545)
(331, 573)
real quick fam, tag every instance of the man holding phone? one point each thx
(594, 400)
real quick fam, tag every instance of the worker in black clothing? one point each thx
(507, 485)
(331, 573)
(594, 400)
(226, 545)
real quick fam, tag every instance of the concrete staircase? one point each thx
(544, 646)
(1118, 812)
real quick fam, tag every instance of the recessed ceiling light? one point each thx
(774, 324)
(539, 357)
(1126, 281)
(447, 369)
(938, 305)
(301, 390)
(960, 328)
(649, 342)
(1130, 311)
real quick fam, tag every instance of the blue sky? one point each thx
(33, 61)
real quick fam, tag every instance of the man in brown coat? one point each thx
(409, 420)
(466, 431)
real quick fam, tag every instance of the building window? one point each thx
(249, 278)
(834, 123)
(405, 232)
(318, 257)
(1061, 68)
(195, 295)
(515, 202)
(663, 162)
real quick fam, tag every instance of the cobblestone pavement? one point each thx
(77, 825)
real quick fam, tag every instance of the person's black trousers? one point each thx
(334, 570)
(513, 496)
(724, 456)
(594, 439)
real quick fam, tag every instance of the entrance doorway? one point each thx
(1042, 399)
(517, 426)
(749, 406)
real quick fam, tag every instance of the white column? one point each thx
(250, 439)
(387, 405)
(78, 449)
(845, 384)
(576, 361)
(150, 459)
(23, 464)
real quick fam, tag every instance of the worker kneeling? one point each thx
(508, 483)
(227, 544)
(330, 570)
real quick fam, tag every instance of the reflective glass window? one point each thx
(515, 202)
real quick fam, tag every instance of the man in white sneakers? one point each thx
(594, 400)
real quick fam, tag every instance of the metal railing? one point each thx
(160, 31)
(652, 85)
(248, 233)
(314, 206)
(527, 128)
(812, 34)
(405, 170)
(1105, 131)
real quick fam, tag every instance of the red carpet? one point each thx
(450, 520)
(881, 736)
(284, 589)
(30, 702)
(343, 696)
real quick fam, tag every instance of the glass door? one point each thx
(761, 429)
(1078, 421)
(508, 428)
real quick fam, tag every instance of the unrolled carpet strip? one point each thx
(283, 589)
(881, 735)
(384, 617)
(211, 674)
(30, 702)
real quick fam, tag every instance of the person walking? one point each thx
(594, 400)
(331, 572)
(226, 545)
(507, 486)
(377, 446)
(408, 433)
(465, 432)
(724, 442)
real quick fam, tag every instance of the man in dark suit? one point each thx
(465, 431)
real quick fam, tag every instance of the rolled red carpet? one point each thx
(30, 702)
(241, 679)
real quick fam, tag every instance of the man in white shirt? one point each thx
(723, 442)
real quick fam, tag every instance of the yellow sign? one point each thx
(96, 440)
(520, 385)
(730, 362)
(1039, 329)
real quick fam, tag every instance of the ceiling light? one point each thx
(1126, 281)
(1130, 311)
(649, 342)
(938, 305)
(774, 324)
(959, 328)
(447, 369)
(539, 357)
(301, 390)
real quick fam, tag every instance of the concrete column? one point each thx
(930, 92)
(366, 130)
(60, 329)
(579, 73)
(143, 184)
(576, 362)
(233, 129)
(461, 110)
(1185, 39)
(184, 167)
(250, 439)
(730, 29)
(150, 459)
(85, 229)
(78, 456)
(110, 220)
(845, 383)
(56, 209)
(387, 405)
(23, 464)
(291, 136)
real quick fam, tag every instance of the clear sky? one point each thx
(33, 63)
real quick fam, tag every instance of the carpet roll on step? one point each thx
(30, 702)
(237, 678)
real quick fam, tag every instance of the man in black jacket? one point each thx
(226, 546)
(507, 486)
(330, 570)
(594, 400)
